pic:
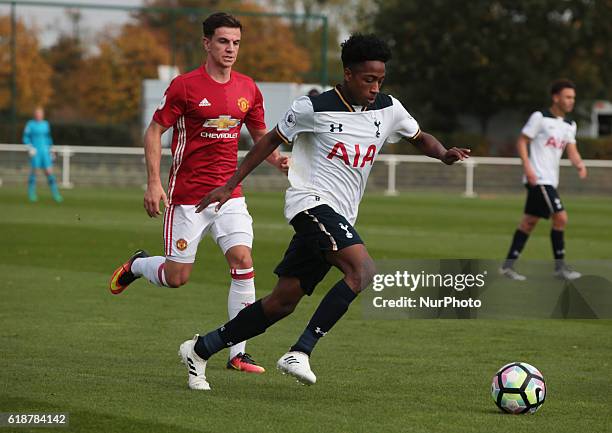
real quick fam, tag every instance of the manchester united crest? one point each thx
(243, 104)
(181, 244)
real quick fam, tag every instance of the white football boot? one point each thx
(566, 273)
(196, 366)
(296, 364)
(512, 274)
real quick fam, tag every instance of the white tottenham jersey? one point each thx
(334, 147)
(549, 136)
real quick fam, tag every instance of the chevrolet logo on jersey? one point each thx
(222, 123)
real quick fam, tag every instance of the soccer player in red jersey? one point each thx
(206, 108)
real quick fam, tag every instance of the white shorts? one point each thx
(184, 228)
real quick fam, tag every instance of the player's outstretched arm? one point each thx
(155, 192)
(522, 147)
(430, 146)
(260, 151)
(574, 156)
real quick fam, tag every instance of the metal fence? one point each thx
(78, 166)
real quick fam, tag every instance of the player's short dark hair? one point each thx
(558, 85)
(361, 48)
(219, 19)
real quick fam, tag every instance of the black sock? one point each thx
(518, 243)
(330, 310)
(250, 322)
(558, 246)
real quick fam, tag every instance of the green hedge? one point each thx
(82, 134)
(590, 148)
(79, 133)
(91, 134)
(478, 143)
(595, 148)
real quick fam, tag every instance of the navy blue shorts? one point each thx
(542, 201)
(317, 231)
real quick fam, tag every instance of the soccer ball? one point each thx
(518, 388)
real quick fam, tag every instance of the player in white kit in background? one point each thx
(540, 146)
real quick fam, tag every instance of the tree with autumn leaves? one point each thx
(268, 49)
(104, 84)
(104, 87)
(110, 83)
(493, 56)
(447, 61)
(33, 72)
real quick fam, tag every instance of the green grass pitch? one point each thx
(68, 345)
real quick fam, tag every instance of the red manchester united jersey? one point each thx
(206, 117)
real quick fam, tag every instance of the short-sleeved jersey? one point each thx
(334, 147)
(206, 117)
(549, 136)
(37, 133)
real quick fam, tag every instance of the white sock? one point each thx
(241, 294)
(152, 268)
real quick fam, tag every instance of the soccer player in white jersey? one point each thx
(336, 137)
(546, 134)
